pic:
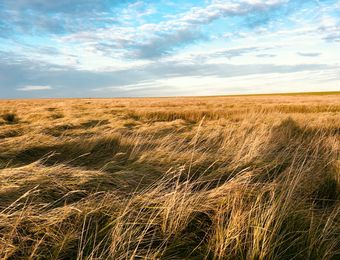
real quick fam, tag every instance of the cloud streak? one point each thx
(34, 88)
(309, 54)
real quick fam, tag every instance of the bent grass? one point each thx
(257, 178)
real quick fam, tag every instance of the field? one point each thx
(243, 177)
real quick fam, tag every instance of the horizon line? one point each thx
(186, 96)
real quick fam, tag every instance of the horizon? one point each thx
(317, 93)
(115, 49)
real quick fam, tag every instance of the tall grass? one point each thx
(209, 183)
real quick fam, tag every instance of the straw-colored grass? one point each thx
(253, 177)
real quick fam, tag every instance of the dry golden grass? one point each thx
(253, 177)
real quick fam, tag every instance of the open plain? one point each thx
(235, 177)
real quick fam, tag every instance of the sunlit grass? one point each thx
(253, 177)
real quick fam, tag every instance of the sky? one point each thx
(127, 48)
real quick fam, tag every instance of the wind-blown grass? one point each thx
(192, 178)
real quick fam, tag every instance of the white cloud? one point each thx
(34, 88)
(155, 40)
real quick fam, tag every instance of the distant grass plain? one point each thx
(234, 177)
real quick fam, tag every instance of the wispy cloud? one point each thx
(34, 88)
(309, 54)
(152, 40)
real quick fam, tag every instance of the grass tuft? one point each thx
(10, 118)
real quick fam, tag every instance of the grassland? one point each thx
(254, 177)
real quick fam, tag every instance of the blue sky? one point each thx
(115, 48)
